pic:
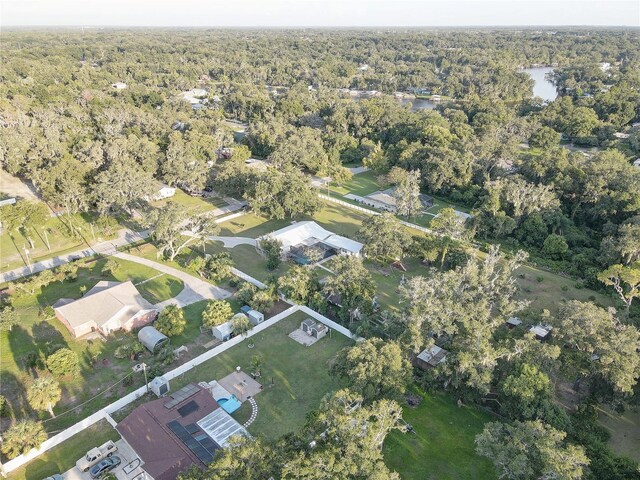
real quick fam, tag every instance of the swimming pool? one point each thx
(229, 405)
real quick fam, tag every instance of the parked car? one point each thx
(94, 455)
(55, 476)
(104, 466)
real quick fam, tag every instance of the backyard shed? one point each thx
(152, 339)
(431, 357)
(223, 332)
(255, 317)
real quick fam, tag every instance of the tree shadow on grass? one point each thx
(48, 337)
(27, 355)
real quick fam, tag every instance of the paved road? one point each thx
(195, 289)
(108, 247)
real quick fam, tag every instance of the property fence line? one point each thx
(330, 323)
(248, 278)
(105, 413)
(373, 212)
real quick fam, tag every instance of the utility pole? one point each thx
(146, 382)
(26, 254)
(92, 232)
(46, 237)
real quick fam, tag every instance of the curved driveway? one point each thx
(195, 289)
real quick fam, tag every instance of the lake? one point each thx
(418, 103)
(542, 87)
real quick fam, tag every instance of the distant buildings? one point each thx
(119, 85)
(161, 192)
(197, 97)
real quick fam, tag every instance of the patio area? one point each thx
(241, 385)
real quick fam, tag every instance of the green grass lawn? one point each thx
(361, 184)
(443, 446)
(624, 429)
(12, 245)
(193, 204)
(63, 457)
(249, 261)
(549, 294)
(36, 334)
(300, 375)
(333, 217)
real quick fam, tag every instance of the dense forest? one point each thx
(555, 179)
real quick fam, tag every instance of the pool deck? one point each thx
(241, 385)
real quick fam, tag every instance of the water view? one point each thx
(542, 87)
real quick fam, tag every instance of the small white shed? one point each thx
(223, 332)
(255, 317)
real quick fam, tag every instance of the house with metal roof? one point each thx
(299, 237)
(431, 357)
(106, 308)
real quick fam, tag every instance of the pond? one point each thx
(418, 103)
(542, 87)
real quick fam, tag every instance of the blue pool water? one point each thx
(229, 405)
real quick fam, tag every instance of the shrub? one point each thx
(262, 301)
(171, 321)
(272, 249)
(3, 406)
(246, 292)
(22, 437)
(111, 267)
(63, 362)
(216, 313)
(539, 279)
(564, 288)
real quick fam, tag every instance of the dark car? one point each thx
(104, 466)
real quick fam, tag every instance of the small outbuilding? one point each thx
(513, 322)
(313, 328)
(152, 339)
(255, 317)
(431, 357)
(223, 332)
(542, 332)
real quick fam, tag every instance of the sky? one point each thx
(319, 13)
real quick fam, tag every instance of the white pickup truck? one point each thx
(94, 455)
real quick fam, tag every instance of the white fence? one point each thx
(247, 278)
(373, 212)
(104, 413)
(330, 323)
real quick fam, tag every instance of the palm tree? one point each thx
(22, 437)
(44, 393)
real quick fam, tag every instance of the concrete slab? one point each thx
(241, 385)
(129, 468)
(302, 337)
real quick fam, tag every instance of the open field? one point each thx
(37, 335)
(299, 374)
(366, 183)
(624, 429)
(333, 217)
(57, 231)
(361, 184)
(553, 290)
(443, 446)
(63, 457)
(193, 204)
